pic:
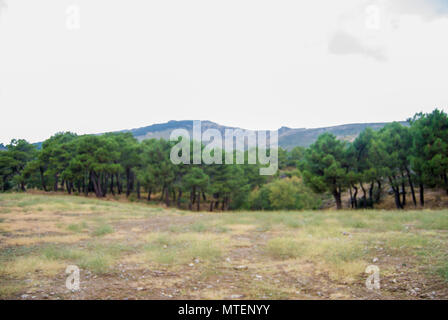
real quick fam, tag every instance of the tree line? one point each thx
(403, 160)
(406, 159)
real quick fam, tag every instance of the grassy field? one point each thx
(137, 251)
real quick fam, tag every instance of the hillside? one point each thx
(288, 137)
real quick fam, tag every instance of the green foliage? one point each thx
(404, 159)
(284, 194)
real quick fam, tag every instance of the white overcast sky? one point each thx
(257, 64)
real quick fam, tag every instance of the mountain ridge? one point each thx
(288, 137)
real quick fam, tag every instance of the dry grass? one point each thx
(216, 255)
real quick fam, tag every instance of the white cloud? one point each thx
(365, 28)
(344, 43)
(428, 9)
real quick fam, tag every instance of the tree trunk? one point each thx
(167, 197)
(85, 187)
(422, 195)
(104, 185)
(55, 186)
(42, 179)
(112, 185)
(371, 191)
(445, 179)
(403, 190)
(355, 194)
(179, 198)
(149, 194)
(351, 198)
(97, 185)
(396, 190)
(364, 197)
(138, 190)
(199, 201)
(119, 190)
(411, 185)
(128, 182)
(190, 203)
(378, 196)
(337, 198)
(194, 195)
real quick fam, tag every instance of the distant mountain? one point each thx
(288, 137)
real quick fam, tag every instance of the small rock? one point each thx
(345, 233)
(24, 296)
(257, 276)
(240, 268)
(375, 260)
(140, 289)
(191, 265)
(196, 260)
(319, 293)
(228, 260)
(236, 296)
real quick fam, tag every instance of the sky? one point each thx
(91, 66)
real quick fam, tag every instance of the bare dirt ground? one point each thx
(136, 251)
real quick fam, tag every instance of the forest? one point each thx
(401, 161)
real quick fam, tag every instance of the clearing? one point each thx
(136, 251)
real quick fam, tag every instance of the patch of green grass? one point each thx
(102, 230)
(434, 221)
(443, 271)
(77, 227)
(172, 250)
(57, 253)
(97, 257)
(29, 202)
(284, 248)
(5, 210)
(8, 290)
(11, 253)
(220, 229)
(264, 227)
(199, 227)
(292, 222)
(97, 262)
